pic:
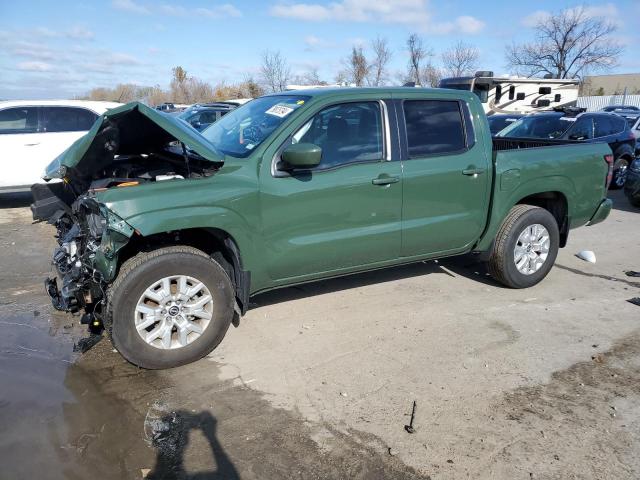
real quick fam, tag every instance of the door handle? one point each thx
(473, 171)
(31, 144)
(385, 179)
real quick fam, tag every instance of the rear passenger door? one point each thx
(446, 176)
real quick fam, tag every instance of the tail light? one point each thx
(609, 159)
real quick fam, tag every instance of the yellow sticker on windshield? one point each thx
(300, 102)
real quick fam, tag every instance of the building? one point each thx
(611, 84)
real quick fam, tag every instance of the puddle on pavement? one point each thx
(95, 416)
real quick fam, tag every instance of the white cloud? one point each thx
(79, 33)
(119, 59)
(607, 11)
(38, 51)
(468, 24)
(399, 11)
(535, 18)
(314, 43)
(217, 11)
(130, 6)
(465, 24)
(414, 13)
(34, 67)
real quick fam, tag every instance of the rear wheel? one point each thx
(526, 247)
(620, 168)
(169, 307)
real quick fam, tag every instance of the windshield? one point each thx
(243, 129)
(538, 126)
(497, 123)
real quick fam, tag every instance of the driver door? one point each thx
(342, 214)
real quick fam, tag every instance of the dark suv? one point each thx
(578, 125)
(200, 116)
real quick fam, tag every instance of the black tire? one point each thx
(620, 168)
(502, 263)
(141, 271)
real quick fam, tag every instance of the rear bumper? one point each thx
(602, 212)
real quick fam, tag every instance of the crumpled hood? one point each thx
(133, 128)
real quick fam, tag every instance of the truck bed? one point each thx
(506, 143)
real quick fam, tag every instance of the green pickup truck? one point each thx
(165, 233)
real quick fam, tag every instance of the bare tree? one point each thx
(341, 78)
(178, 87)
(357, 66)
(275, 71)
(431, 76)
(567, 45)
(461, 59)
(250, 88)
(418, 53)
(381, 58)
(310, 77)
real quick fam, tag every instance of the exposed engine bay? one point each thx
(89, 235)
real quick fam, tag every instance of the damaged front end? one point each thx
(129, 147)
(89, 238)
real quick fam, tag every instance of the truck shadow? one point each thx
(467, 266)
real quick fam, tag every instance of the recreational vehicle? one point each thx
(515, 94)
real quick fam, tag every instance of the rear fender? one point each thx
(504, 201)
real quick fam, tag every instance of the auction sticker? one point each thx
(279, 110)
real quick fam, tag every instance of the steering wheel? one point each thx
(252, 134)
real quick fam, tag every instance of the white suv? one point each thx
(33, 133)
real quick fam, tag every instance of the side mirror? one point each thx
(302, 155)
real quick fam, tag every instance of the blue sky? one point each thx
(56, 49)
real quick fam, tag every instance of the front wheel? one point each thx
(526, 247)
(169, 307)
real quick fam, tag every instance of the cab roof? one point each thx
(347, 91)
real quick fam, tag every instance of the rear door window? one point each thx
(619, 125)
(604, 126)
(434, 127)
(67, 119)
(19, 120)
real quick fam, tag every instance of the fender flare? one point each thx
(505, 201)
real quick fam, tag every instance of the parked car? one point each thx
(633, 119)
(166, 107)
(238, 101)
(614, 108)
(578, 125)
(632, 186)
(33, 133)
(500, 121)
(200, 116)
(166, 242)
